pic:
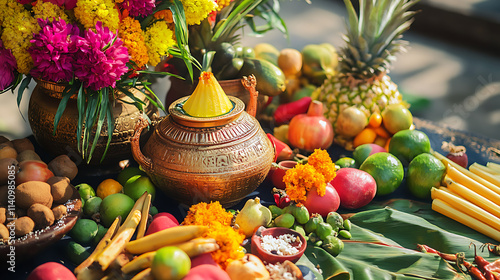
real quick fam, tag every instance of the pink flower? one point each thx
(53, 50)
(139, 7)
(8, 68)
(101, 59)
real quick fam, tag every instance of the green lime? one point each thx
(407, 144)
(92, 206)
(84, 231)
(424, 172)
(86, 191)
(285, 220)
(75, 252)
(170, 263)
(137, 185)
(396, 117)
(127, 173)
(346, 162)
(387, 171)
(153, 210)
(101, 231)
(115, 205)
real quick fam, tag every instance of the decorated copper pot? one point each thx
(193, 159)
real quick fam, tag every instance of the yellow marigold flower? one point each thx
(131, 34)
(9, 8)
(89, 12)
(322, 162)
(49, 11)
(159, 39)
(197, 10)
(18, 28)
(301, 179)
(222, 4)
(219, 222)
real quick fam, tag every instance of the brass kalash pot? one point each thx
(193, 159)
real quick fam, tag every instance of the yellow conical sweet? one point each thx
(208, 99)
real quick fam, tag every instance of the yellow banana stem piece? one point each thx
(141, 229)
(139, 263)
(144, 275)
(198, 246)
(121, 239)
(106, 239)
(166, 237)
(486, 173)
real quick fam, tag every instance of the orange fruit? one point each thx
(396, 117)
(108, 187)
(366, 136)
(375, 120)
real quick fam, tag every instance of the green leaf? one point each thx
(67, 93)
(208, 57)
(111, 125)
(101, 116)
(80, 102)
(156, 101)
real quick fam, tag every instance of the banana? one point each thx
(141, 229)
(198, 246)
(118, 243)
(139, 263)
(166, 237)
(144, 275)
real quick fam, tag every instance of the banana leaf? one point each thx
(384, 245)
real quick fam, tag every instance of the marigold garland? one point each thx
(49, 11)
(133, 38)
(316, 173)
(218, 220)
(89, 12)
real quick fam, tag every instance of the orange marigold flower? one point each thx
(322, 162)
(301, 179)
(166, 15)
(133, 38)
(218, 220)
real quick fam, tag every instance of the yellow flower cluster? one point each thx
(131, 34)
(316, 173)
(322, 162)
(222, 4)
(18, 27)
(47, 10)
(89, 12)
(197, 10)
(158, 39)
(218, 220)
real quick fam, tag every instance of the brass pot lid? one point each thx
(180, 117)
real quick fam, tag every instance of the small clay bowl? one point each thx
(35, 242)
(268, 257)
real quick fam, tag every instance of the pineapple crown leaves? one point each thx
(374, 37)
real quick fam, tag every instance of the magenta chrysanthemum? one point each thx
(6, 71)
(139, 7)
(101, 59)
(53, 50)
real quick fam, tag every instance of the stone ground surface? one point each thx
(451, 61)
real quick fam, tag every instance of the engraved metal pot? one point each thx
(193, 160)
(42, 109)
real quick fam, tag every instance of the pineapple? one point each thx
(362, 82)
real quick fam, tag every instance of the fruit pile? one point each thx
(33, 195)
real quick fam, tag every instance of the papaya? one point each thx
(270, 79)
(224, 53)
(231, 70)
(267, 52)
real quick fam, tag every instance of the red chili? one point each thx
(494, 249)
(474, 271)
(481, 264)
(427, 249)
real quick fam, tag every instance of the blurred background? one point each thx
(450, 73)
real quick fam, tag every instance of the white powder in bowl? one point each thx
(281, 245)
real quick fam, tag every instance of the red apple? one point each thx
(51, 271)
(356, 188)
(33, 170)
(322, 204)
(162, 221)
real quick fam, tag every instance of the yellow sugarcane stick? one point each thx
(485, 173)
(472, 184)
(444, 208)
(139, 263)
(466, 173)
(144, 275)
(141, 229)
(494, 166)
(472, 196)
(465, 206)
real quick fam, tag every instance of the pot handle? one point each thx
(144, 161)
(249, 83)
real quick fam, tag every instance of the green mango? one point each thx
(270, 78)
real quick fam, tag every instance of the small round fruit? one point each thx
(137, 185)
(75, 252)
(333, 245)
(361, 152)
(170, 263)
(107, 187)
(128, 173)
(335, 220)
(290, 61)
(322, 204)
(301, 214)
(387, 171)
(285, 220)
(396, 117)
(346, 162)
(115, 205)
(323, 230)
(407, 144)
(84, 231)
(351, 122)
(424, 172)
(101, 231)
(92, 206)
(356, 188)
